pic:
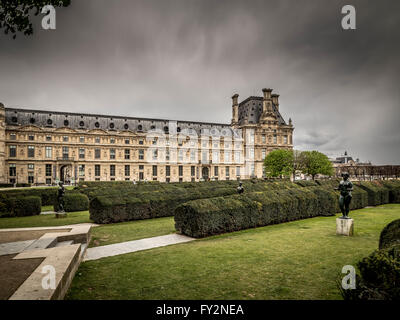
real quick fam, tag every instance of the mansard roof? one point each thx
(251, 109)
(55, 119)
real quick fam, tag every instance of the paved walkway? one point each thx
(133, 246)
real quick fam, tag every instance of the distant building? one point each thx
(43, 147)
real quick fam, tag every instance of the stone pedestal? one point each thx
(344, 227)
(61, 215)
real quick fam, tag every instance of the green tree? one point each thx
(15, 15)
(279, 163)
(316, 163)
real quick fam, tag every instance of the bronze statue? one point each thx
(345, 188)
(240, 189)
(60, 197)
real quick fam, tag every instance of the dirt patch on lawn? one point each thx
(13, 273)
(13, 236)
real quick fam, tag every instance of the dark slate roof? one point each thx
(55, 119)
(251, 108)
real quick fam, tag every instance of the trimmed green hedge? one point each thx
(20, 206)
(377, 193)
(394, 190)
(123, 202)
(73, 201)
(201, 218)
(47, 195)
(390, 235)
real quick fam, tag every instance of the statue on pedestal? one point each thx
(60, 197)
(345, 188)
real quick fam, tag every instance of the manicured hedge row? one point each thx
(205, 217)
(47, 195)
(73, 201)
(377, 193)
(20, 206)
(379, 273)
(122, 202)
(125, 207)
(394, 190)
(390, 235)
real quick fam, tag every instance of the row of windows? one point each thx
(82, 139)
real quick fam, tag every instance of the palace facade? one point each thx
(43, 147)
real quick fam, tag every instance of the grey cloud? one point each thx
(183, 59)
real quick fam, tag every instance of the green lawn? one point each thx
(295, 260)
(133, 230)
(44, 220)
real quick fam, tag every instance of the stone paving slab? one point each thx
(14, 247)
(133, 246)
(69, 226)
(65, 261)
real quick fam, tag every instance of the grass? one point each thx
(295, 260)
(133, 230)
(44, 220)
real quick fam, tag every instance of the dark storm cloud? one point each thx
(184, 59)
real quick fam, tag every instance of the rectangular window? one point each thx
(180, 169)
(81, 169)
(13, 151)
(140, 141)
(192, 171)
(141, 167)
(216, 171)
(13, 136)
(285, 139)
(127, 141)
(112, 153)
(65, 138)
(81, 139)
(263, 154)
(48, 152)
(264, 140)
(238, 171)
(31, 166)
(31, 137)
(127, 170)
(65, 152)
(31, 151)
(81, 153)
(48, 181)
(97, 153)
(141, 175)
(13, 170)
(192, 155)
(275, 139)
(30, 178)
(48, 170)
(112, 140)
(167, 171)
(154, 171)
(141, 154)
(155, 154)
(48, 138)
(127, 154)
(97, 170)
(237, 156)
(97, 139)
(227, 171)
(167, 155)
(112, 170)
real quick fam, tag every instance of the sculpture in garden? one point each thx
(345, 188)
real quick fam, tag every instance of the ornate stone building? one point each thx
(43, 147)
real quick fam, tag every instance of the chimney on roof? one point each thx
(267, 100)
(275, 100)
(235, 109)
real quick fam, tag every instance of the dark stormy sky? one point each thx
(183, 59)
